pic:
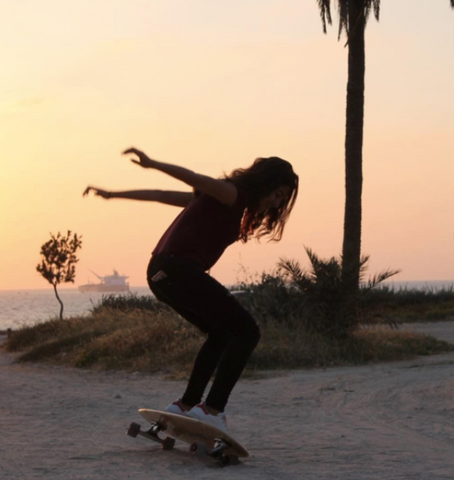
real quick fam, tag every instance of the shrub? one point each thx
(313, 297)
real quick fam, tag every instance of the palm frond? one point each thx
(342, 11)
(346, 24)
(371, 5)
(325, 12)
(378, 278)
(377, 9)
(325, 272)
(366, 11)
(363, 264)
(292, 269)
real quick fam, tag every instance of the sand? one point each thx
(387, 421)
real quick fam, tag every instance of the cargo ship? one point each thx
(109, 284)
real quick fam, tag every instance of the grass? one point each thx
(131, 340)
(153, 339)
(410, 305)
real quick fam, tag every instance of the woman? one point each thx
(248, 203)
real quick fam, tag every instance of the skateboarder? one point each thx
(249, 203)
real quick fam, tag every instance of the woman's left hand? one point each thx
(144, 161)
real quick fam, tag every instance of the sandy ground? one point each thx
(388, 421)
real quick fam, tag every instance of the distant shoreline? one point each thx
(410, 284)
(61, 288)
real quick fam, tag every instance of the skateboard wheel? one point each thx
(168, 443)
(133, 430)
(198, 449)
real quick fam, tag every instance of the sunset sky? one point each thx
(211, 85)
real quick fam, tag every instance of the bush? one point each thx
(314, 298)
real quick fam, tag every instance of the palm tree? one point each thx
(353, 16)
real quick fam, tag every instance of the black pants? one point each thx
(232, 331)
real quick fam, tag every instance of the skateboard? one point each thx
(204, 439)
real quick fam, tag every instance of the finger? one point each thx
(135, 161)
(131, 150)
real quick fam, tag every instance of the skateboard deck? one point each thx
(204, 439)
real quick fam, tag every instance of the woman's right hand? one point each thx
(97, 191)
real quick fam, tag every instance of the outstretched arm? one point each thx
(177, 199)
(223, 191)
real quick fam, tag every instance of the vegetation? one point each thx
(405, 306)
(59, 261)
(128, 302)
(137, 333)
(335, 312)
(314, 297)
(141, 340)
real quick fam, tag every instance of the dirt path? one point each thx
(393, 421)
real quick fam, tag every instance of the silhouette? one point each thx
(59, 262)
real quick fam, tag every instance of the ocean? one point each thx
(27, 307)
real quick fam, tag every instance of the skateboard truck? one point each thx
(217, 452)
(152, 434)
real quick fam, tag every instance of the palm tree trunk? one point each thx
(351, 250)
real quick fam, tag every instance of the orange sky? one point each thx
(211, 85)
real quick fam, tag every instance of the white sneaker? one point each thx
(200, 412)
(177, 408)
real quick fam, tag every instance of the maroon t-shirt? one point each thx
(204, 229)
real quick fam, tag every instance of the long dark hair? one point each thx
(262, 178)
